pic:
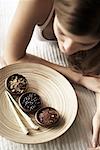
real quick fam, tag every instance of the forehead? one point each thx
(63, 29)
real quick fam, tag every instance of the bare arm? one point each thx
(67, 72)
(98, 101)
(27, 15)
(91, 83)
(96, 124)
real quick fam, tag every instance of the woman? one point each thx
(75, 26)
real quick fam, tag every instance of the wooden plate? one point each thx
(55, 91)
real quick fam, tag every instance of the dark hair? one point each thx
(80, 17)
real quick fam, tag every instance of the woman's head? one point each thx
(77, 24)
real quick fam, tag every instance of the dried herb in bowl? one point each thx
(16, 84)
(47, 117)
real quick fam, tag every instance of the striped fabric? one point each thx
(47, 50)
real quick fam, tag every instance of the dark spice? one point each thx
(16, 84)
(47, 116)
(30, 102)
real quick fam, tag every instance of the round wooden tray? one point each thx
(54, 90)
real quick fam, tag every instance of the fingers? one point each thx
(95, 137)
(95, 134)
(97, 148)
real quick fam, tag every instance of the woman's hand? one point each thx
(97, 148)
(93, 84)
(96, 130)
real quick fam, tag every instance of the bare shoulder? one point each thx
(27, 15)
(34, 10)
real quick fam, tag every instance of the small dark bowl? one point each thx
(30, 102)
(16, 84)
(47, 117)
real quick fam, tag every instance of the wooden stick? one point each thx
(26, 117)
(24, 129)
